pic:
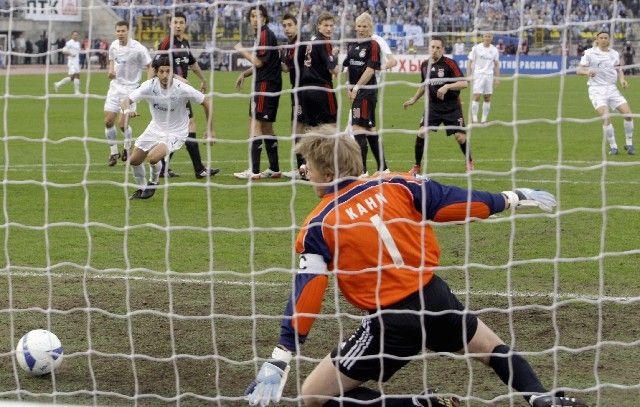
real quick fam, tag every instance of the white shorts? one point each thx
(154, 135)
(482, 84)
(608, 96)
(73, 69)
(114, 96)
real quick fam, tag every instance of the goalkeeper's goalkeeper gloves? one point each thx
(531, 198)
(269, 383)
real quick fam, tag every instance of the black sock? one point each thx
(361, 139)
(299, 158)
(378, 151)
(194, 152)
(271, 144)
(463, 147)
(165, 166)
(256, 150)
(524, 379)
(364, 393)
(419, 150)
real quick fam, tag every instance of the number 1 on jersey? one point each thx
(387, 240)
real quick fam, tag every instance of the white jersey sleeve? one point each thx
(189, 92)
(384, 48)
(142, 92)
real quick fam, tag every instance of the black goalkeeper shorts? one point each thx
(370, 355)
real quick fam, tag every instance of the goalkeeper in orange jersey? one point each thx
(389, 217)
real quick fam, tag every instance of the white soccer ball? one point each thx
(39, 352)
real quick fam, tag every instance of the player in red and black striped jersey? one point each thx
(362, 61)
(179, 50)
(267, 71)
(319, 65)
(311, 66)
(443, 79)
(375, 237)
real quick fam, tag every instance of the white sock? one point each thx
(610, 135)
(64, 81)
(76, 85)
(110, 133)
(155, 172)
(127, 137)
(140, 174)
(486, 106)
(628, 132)
(475, 106)
(532, 399)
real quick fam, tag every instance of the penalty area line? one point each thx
(477, 293)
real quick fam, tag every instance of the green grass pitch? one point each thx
(175, 299)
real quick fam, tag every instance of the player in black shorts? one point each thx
(363, 60)
(264, 103)
(178, 47)
(439, 74)
(311, 66)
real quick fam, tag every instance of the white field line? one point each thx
(479, 293)
(102, 169)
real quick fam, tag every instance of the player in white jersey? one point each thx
(602, 66)
(169, 124)
(72, 51)
(127, 59)
(484, 68)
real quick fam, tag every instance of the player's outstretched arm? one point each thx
(530, 198)
(271, 378)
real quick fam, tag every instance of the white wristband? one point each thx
(356, 89)
(281, 354)
(126, 111)
(512, 198)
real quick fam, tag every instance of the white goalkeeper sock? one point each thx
(76, 85)
(475, 106)
(486, 106)
(140, 174)
(628, 132)
(610, 135)
(127, 137)
(110, 133)
(155, 172)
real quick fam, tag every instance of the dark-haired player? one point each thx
(442, 80)
(267, 71)
(169, 126)
(311, 67)
(178, 48)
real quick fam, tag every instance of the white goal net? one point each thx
(178, 299)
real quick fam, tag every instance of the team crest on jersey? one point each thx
(440, 73)
(362, 53)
